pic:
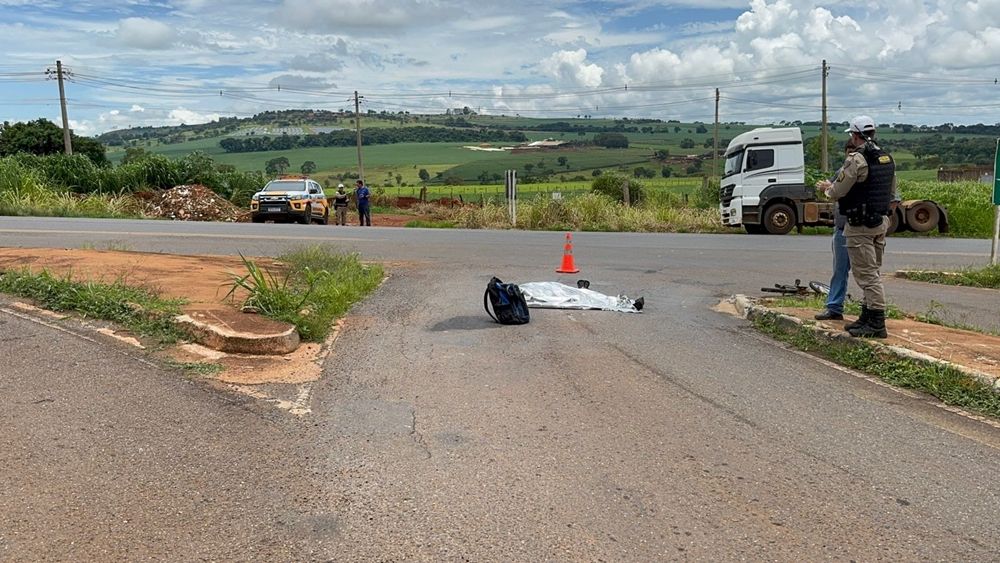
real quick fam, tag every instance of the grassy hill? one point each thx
(400, 163)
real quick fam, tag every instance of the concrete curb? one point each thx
(279, 339)
(750, 310)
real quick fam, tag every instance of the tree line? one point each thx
(380, 136)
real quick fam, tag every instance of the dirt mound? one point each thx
(193, 203)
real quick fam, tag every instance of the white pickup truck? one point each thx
(296, 199)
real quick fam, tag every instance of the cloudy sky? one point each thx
(155, 62)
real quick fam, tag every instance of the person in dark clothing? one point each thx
(363, 196)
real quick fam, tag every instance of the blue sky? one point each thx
(156, 62)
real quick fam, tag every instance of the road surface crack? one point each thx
(417, 436)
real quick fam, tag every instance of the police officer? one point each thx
(864, 190)
(340, 204)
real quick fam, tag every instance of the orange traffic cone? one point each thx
(567, 262)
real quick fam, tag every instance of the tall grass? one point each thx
(24, 191)
(969, 204)
(317, 286)
(137, 309)
(591, 212)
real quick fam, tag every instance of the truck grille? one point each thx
(726, 194)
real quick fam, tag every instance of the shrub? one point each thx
(611, 186)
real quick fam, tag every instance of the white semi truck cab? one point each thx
(763, 184)
(763, 189)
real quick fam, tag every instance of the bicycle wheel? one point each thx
(819, 288)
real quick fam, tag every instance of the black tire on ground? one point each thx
(257, 219)
(754, 229)
(895, 220)
(307, 217)
(923, 216)
(779, 219)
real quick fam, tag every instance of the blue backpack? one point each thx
(509, 306)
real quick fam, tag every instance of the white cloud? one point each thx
(144, 33)
(332, 15)
(570, 67)
(167, 50)
(183, 116)
(316, 62)
(764, 18)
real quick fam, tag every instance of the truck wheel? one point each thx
(257, 219)
(779, 219)
(922, 216)
(307, 217)
(894, 222)
(754, 229)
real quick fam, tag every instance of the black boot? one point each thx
(862, 319)
(874, 327)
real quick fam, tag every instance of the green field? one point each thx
(679, 188)
(398, 165)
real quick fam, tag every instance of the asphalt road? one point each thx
(677, 434)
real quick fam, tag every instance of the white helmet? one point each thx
(862, 125)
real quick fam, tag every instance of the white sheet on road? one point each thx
(555, 295)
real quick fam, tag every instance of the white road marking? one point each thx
(181, 235)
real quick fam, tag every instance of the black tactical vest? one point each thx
(868, 202)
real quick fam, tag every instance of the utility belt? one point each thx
(865, 216)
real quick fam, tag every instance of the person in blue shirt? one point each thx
(363, 196)
(841, 265)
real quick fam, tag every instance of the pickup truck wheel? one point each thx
(755, 229)
(779, 219)
(307, 217)
(257, 219)
(922, 216)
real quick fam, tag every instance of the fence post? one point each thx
(625, 195)
(510, 183)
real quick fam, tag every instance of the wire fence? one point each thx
(678, 191)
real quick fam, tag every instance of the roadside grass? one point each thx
(590, 212)
(949, 385)
(318, 286)
(424, 224)
(818, 302)
(970, 212)
(137, 309)
(933, 315)
(988, 277)
(25, 192)
(197, 368)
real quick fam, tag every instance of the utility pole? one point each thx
(357, 125)
(67, 139)
(715, 150)
(824, 157)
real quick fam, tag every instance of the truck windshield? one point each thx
(285, 186)
(734, 163)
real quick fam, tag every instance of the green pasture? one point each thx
(680, 189)
(548, 160)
